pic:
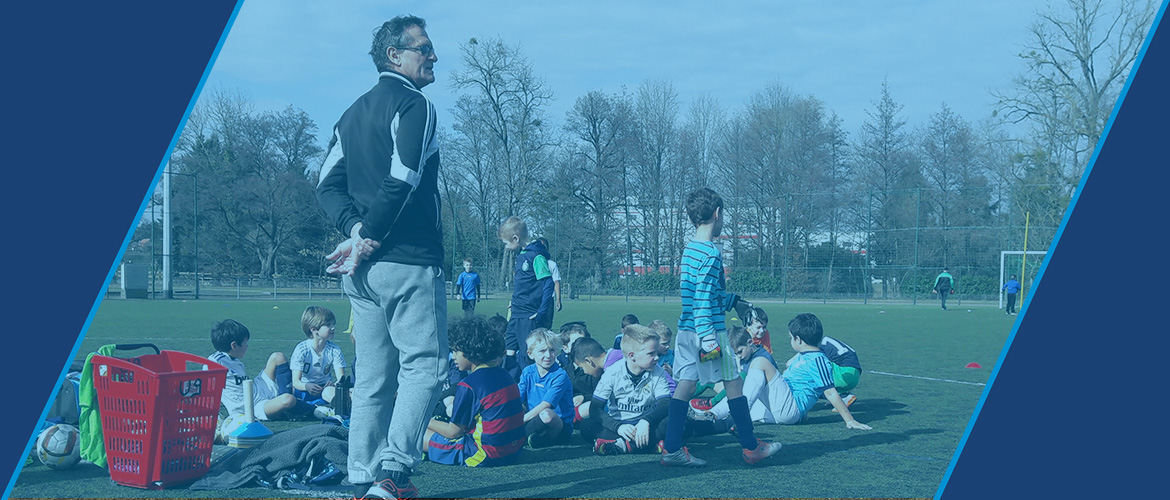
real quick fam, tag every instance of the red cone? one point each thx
(973, 365)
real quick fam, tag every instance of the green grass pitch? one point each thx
(916, 393)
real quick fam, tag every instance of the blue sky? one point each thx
(313, 54)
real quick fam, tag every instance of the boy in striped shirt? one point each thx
(487, 418)
(701, 348)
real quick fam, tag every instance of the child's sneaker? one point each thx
(538, 441)
(323, 412)
(763, 450)
(681, 458)
(848, 399)
(693, 414)
(392, 484)
(610, 446)
(701, 404)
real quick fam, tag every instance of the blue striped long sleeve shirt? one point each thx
(704, 298)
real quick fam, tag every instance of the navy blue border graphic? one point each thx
(1073, 408)
(95, 94)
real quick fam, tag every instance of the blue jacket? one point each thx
(1012, 286)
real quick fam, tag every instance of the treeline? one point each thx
(605, 183)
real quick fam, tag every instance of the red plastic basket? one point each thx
(158, 418)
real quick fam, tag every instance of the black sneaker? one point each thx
(392, 484)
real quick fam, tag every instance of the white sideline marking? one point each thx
(928, 378)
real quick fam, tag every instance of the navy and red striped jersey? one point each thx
(487, 405)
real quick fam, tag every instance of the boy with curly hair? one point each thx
(487, 420)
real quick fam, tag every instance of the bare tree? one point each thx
(656, 129)
(507, 100)
(600, 129)
(1078, 61)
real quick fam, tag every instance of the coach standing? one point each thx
(379, 186)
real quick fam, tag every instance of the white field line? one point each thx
(926, 378)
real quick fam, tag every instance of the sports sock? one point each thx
(743, 422)
(283, 379)
(675, 420)
(719, 397)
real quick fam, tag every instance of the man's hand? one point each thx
(350, 253)
(314, 389)
(558, 305)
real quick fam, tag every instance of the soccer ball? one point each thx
(59, 446)
(225, 426)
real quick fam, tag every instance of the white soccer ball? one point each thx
(59, 446)
(225, 426)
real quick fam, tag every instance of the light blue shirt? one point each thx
(808, 374)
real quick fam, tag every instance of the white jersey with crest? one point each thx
(317, 369)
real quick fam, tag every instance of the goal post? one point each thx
(1026, 269)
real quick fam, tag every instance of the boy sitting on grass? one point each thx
(487, 420)
(317, 363)
(546, 391)
(635, 395)
(846, 367)
(270, 399)
(589, 358)
(786, 399)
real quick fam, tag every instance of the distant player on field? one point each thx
(468, 286)
(1011, 288)
(944, 284)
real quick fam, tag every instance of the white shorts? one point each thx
(263, 389)
(688, 367)
(775, 405)
(780, 406)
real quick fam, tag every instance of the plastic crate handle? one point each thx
(134, 347)
(103, 365)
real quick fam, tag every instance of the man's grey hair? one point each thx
(392, 33)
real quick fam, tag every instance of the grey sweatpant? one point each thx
(400, 325)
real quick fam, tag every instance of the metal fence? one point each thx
(828, 247)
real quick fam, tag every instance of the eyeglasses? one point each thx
(423, 50)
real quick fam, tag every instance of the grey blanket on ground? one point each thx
(284, 453)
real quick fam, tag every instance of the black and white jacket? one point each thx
(382, 170)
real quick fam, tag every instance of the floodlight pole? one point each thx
(168, 291)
